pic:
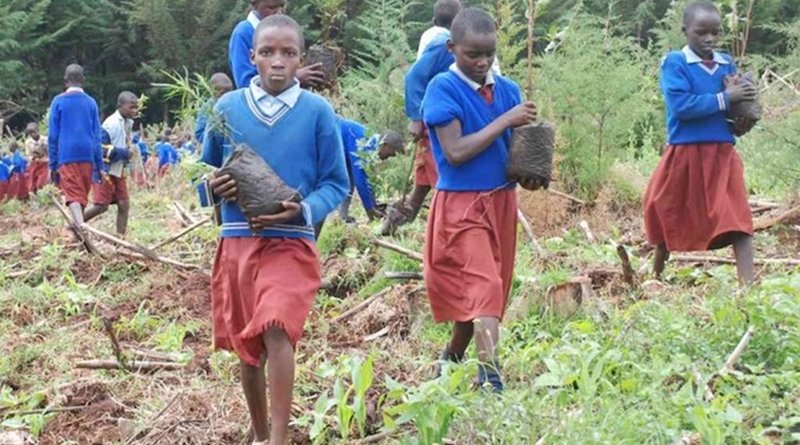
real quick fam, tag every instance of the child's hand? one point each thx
(738, 92)
(311, 76)
(290, 212)
(534, 183)
(415, 129)
(522, 114)
(223, 186)
(742, 126)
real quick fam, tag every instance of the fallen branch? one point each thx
(73, 226)
(765, 204)
(567, 197)
(526, 225)
(361, 306)
(737, 353)
(109, 328)
(183, 214)
(714, 259)
(180, 234)
(785, 217)
(401, 250)
(152, 355)
(132, 366)
(403, 275)
(377, 335)
(17, 274)
(169, 261)
(43, 411)
(122, 243)
(628, 273)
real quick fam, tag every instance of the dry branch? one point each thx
(713, 259)
(132, 366)
(401, 250)
(183, 214)
(30, 412)
(152, 420)
(377, 335)
(568, 197)
(171, 262)
(785, 217)
(73, 226)
(361, 306)
(737, 353)
(627, 270)
(403, 275)
(109, 328)
(122, 243)
(526, 225)
(136, 351)
(180, 234)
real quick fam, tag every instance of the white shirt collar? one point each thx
(474, 85)
(253, 18)
(692, 57)
(74, 90)
(288, 97)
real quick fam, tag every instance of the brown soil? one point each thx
(96, 424)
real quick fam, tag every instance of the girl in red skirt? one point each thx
(266, 272)
(696, 199)
(471, 239)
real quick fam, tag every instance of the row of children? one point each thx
(266, 271)
(24, 172)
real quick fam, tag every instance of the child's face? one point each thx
(702, 32)
(129, 110)
(277, 57)
(266, 8)
(386, 151)
(475, 54)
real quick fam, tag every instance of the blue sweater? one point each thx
(695, 98)
(448, 98)
(352, 133)
(17, 163)
(5, 172)
(74, 131)
(167, 154)
(304, 147)
(202, 120)
(239, 54)
(434, 60)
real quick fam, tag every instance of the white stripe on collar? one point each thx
(472, 84)
(692, 57)
(289, 96)
(253, 19)
(74, 90)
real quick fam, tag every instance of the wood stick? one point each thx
(567, 196)
(169, 261)
(109, 328)
(526, 226)
(187, 217)
(46, 410)
(361, 306)
(73, 226)
(180, 234)
(627, 270)
(737, 353)
(122, 243)
(713, 259)
(132, 366)
(584, 226)
(144, 427)
(403, 275)
(765, 204)
(766, 223)
(377, 335)
(402, 250)
(152, 355)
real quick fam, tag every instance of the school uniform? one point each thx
(38, 175)
(239, 46)
(140, 174)
(270, 278)
(471, 235)
(115, 188)
(435, 59)
(167, 157)
(353, 135)
(18, 181)
(74, 143)
(697, 198)
(435, 32)
(5, 176)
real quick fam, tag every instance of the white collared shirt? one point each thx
(428, 36)
(272, 105)
(692, 57)
(118, 129)
(472, 84)
(74, 90)
(253, 19)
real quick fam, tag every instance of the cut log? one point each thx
(180, 234)
(784, 218)
(399, 249)
(360, 306)
(132, 366)
(403, 275)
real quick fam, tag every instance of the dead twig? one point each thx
(180, 234)
(567, 197)
(526, 225)
(377, 335)
(403, 275)
(183, 214)
(137, 351)
(152, 420)
(43, 411)
(737, 352)
(713, 259)
(120, 242)
(168, 261)
(132, 366)
(628, 274)
(73, 226)
(401, 250)
(361, 306)
(109, 328)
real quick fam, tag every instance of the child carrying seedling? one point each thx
(266, 271)
(114, 189)
(471, 237)
(697, 199)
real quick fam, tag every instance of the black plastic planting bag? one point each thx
(750, 109)
(330, 57)
(259, 190)
(531, 157)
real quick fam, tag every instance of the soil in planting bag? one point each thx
(750, 109)
(531, 157)
(330, 57)
(259, 190)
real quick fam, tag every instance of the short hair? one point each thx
(472, 20)
(693, 8)
(221, 79)
(126, 97)
(444, 11)
(74, 74)
(31, 127)
(280, 21)
(393, 139)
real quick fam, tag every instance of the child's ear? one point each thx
(683, 29)
(451, 46)
(253, 56)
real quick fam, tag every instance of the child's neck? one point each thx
(276, 93)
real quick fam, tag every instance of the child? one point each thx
(167, 154)
(241, 45)
(697, 199)
(114, 190)
(266, 272)
(387, 145)
(471, 237)
(18, 183)
(36, 150)
(74, 143)
(5, 176)
(140, 174)
(436, 58)
(220, 84)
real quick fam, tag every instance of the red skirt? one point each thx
(697, 198)
(18, 186)
(3, 190)
(111, 191)
(75, 181)
(425, 173)
(469, 253)
(258, 283)
(39, 174)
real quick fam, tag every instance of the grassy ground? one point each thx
(625, 366)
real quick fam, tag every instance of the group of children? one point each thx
(23, 173)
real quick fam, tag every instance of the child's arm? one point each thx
(416, 81)
(98, 140)
(241, 67)
(53, 126)
(364, 188)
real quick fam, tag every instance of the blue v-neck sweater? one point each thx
(303, 146)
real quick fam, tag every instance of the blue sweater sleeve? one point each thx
(98, 138)
(239, 54)
(439, 105)
(213, 146)
(678, 95)
(200, 126)
(420, 75)
(361, 179)
(333, 182)
(52, 135)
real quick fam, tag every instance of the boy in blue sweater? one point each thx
(75, 155)
(266, 272)
(5, 176)
(18, 183)
(471, 238)
(241, 45)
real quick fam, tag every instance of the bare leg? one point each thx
(76, 210)
(743, 251)
(280, 368)
(255, 391)
(94, 211)
(487, 334)
(659, 260)
(462, 335)
(123, 212)
(416, 199)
